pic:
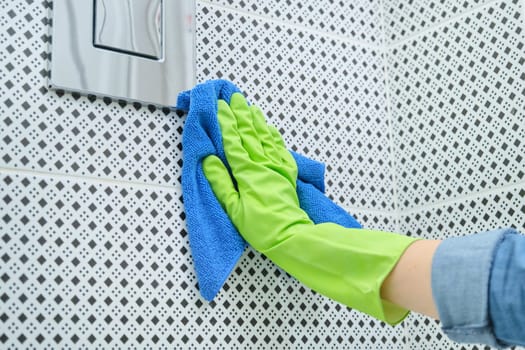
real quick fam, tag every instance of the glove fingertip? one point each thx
(238, 100)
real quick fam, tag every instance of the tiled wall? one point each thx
(416, 108)
(456, 91)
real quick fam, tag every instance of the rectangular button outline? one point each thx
(124, 51)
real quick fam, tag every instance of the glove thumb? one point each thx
(221, 183)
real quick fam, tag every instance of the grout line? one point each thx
(464, 198)
(390, 123)
(90, 179)
(437, 25)
(295, 26)
(389, 117)
(103, 180)
(379, 47)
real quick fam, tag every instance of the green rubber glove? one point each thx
(347, 265)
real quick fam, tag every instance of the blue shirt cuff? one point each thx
(460, 286)
(507, 291)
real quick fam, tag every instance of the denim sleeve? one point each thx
(507, 291)
(461, 272)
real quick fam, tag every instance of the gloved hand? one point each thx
(347, 265)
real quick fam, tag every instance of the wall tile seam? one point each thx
(390, 46)
(350, 209)
(389, 120)
(520, 185)
(380, 48)
(89, 179)
(171, 188)
(299, 27)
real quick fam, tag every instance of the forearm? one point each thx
(409, 283)
(473, 284)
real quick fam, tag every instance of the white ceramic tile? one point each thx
(358, 20)
(327, 97)
(64, 133)
(505, 208)
(90, 263)
(458, 107)
(388, 222)
(87, 264)
(403, 18)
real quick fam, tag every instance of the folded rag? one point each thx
(215, 244)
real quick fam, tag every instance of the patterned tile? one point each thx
(503, 208)
(327, 97)
(457, 105)
(358, 20)
(376, 221)
(93, 245)
(404, 18)
(92, 263)
(67, 133)
(98, 265)
(87, 264)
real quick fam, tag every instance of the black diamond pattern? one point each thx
(476, 90)
(422, 97)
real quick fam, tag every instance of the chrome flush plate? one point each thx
(138, 50)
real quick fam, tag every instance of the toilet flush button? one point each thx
(138, 50)
(132, 27)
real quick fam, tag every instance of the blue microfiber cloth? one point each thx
(215, 244)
